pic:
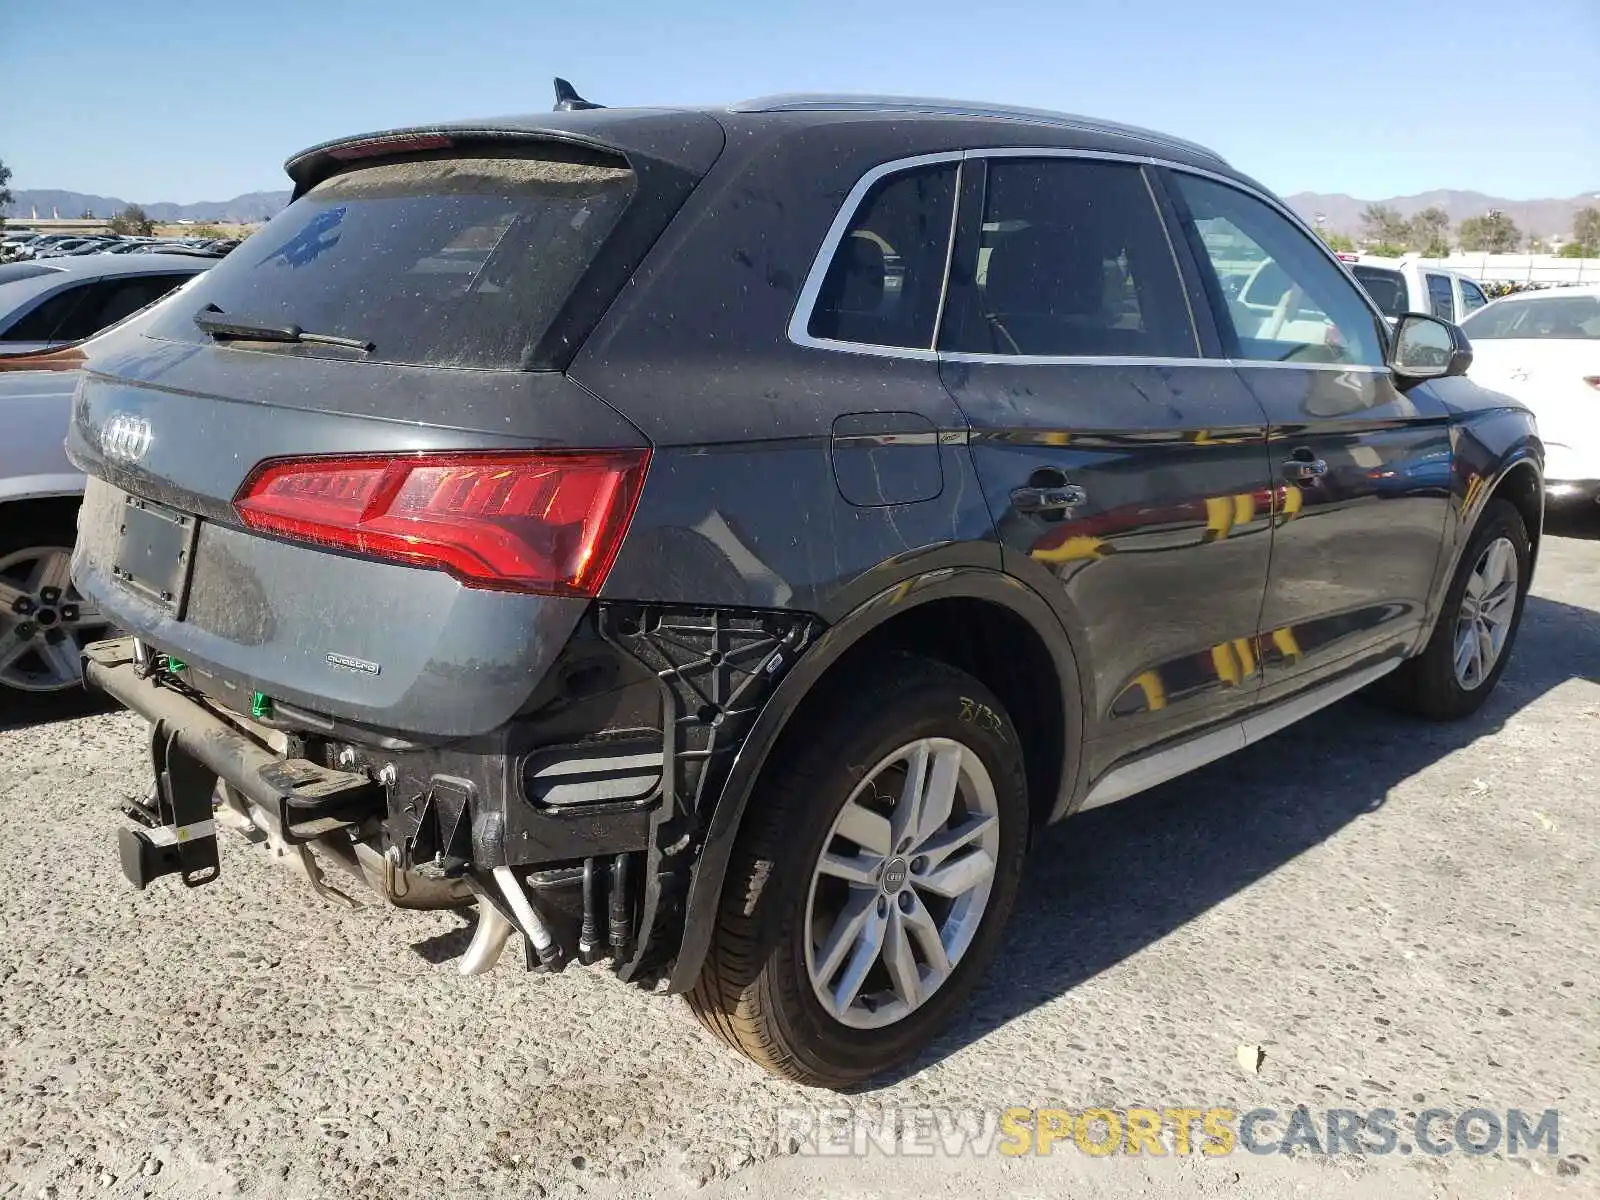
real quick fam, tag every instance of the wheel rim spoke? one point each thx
(845, 933)
(52, 569)
(63, 661)
(10, 593)
(1464, 644)
(908, 809)
(945, 843)
(939, 797)
(11, 648)
(858, 869)
(868, 945)
(959, 876)
(865, 828)
(899, 961)
(919, 923)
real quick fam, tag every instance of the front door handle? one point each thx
(1305, 468)
(1055, 499)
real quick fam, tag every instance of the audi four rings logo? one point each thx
(125, 437)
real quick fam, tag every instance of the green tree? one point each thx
(1336, 241)
(1386, 249)
(1492, 233)
(1575, 250)
(5, 192)
(1429, 232)
(132, 221)
(1383, 224)
(1586, 231)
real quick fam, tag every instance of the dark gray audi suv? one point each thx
(715, 542)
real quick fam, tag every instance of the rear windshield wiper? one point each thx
(219, 325)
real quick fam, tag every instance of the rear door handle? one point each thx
(1305, 468)
(1048, 499)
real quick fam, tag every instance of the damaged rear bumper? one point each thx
(577, 825)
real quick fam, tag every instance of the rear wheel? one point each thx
(1472, 638)
(877, 865)
(44, 622)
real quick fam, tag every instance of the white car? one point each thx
(1544, 349)
(1402, 285)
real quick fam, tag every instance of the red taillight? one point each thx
(550, 521)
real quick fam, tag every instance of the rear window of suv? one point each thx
(458, 262)
(1387, 288)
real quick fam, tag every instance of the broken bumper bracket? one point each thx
(192, 746)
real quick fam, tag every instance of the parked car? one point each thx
(44, 622)
(1400, 286)
(718, 540)
(1544, 348)
(55, 301)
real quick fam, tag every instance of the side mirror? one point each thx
(1425, 347)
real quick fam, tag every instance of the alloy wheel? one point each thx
(902, 883)
(44, 622)
(1487, 608)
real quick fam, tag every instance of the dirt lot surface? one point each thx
(1398, 915)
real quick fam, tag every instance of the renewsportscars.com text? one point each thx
(1100, 1132)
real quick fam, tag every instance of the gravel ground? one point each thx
(1400, 915)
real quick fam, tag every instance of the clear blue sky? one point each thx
(187, 101)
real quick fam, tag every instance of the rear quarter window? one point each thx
(1387, 288)
(459, 262)
(883, 283)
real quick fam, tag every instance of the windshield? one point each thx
(461, 262)
(1387, 288)
(1575, 318)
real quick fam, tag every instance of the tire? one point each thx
(28, 533)
(1430, 685)
(756, 990)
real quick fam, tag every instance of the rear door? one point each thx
(1441, 296)
(1364, 468)
(1124, 464)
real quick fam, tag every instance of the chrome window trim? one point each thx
(800, 318)
(1079, 360)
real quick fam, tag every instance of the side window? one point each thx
(1387, 288)
(883, 285)
(1441, 298)
(1282, 299)
(1472, 297)
(110, 300)
(40, 323)
(1073, 261)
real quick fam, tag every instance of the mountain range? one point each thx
(1546, 218)
(1338, 211)
(246, 209)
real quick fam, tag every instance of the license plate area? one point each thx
(155, 553)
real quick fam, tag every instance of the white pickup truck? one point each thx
(1402, 285)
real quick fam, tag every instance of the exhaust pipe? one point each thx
(488, 940)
